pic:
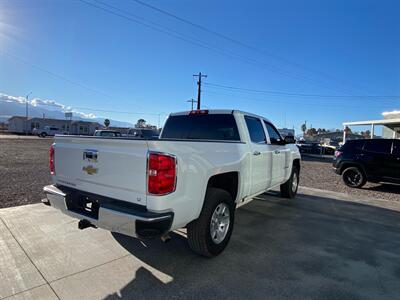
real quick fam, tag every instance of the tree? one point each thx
(366, 134)
(304, 128)
(312, 131)
(106, 123)
(348, 130)
(141, 123)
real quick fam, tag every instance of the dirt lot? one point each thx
(24, 172)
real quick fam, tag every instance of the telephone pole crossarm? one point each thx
(192, 101)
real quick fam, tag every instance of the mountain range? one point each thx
(16, 106)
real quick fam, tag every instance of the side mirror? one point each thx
(289, 139)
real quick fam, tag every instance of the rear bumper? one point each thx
(110, 214)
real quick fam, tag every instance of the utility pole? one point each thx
(192, 101)
(26, 113)
(199, 88)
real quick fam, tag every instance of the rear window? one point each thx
(353, 145)
(201, 127)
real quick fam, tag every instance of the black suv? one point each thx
(375, 160)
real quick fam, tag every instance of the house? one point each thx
(18, 124)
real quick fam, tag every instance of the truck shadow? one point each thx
(309, 247)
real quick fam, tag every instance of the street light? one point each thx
(26, 113)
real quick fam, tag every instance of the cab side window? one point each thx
(274, 135)
(381, 146)
(256, 130)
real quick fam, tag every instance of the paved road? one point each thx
(20, 137)
(323, 245)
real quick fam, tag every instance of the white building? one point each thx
(19, 124)
(390, 125)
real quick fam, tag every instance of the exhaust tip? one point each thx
(166, 238)
(82, 224)
(45, 201)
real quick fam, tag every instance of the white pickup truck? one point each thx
(203, 166)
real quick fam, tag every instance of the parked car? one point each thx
(109, 133)
(205, 164)
(143, 133)
(47, 131)
(375, 160)
(316, 148)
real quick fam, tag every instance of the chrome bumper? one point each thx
(133, 223)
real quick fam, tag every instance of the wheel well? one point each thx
(225, 181)
(350, 164)
(296, 163)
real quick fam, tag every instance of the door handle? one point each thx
(277, 151)
(256, 152)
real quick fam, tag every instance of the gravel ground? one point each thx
(24, 172)
(318, 173)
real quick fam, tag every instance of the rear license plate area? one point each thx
(83, 205)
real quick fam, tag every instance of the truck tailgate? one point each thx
(114, 168)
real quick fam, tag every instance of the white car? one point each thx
(47, 131)
(205, 164)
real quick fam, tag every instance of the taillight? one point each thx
(338, 153)
(161, 173)
(198, 112)
(51, 160)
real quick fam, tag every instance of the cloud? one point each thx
(9, 98)
(388, 113)
(47, 104)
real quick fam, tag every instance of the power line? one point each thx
(73, 82)
(195, 41)
(58, 76)
(240, 43)
(240, 98)
(296, 94)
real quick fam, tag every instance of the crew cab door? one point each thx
(378, 159)
(396, 158)
(260, 156)
(279, 154)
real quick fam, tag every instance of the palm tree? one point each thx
(304, 128)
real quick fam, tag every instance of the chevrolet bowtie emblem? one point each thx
(90, 170)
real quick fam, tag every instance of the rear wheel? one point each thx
(354, 177)
(211, 232)
(290, 187)
(43, 134)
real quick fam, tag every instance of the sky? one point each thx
(324, 62)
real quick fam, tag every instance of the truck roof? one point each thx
(220, 111)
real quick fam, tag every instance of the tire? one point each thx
(354, 177)
(199, 231)
(290, 187)
(43, 134)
